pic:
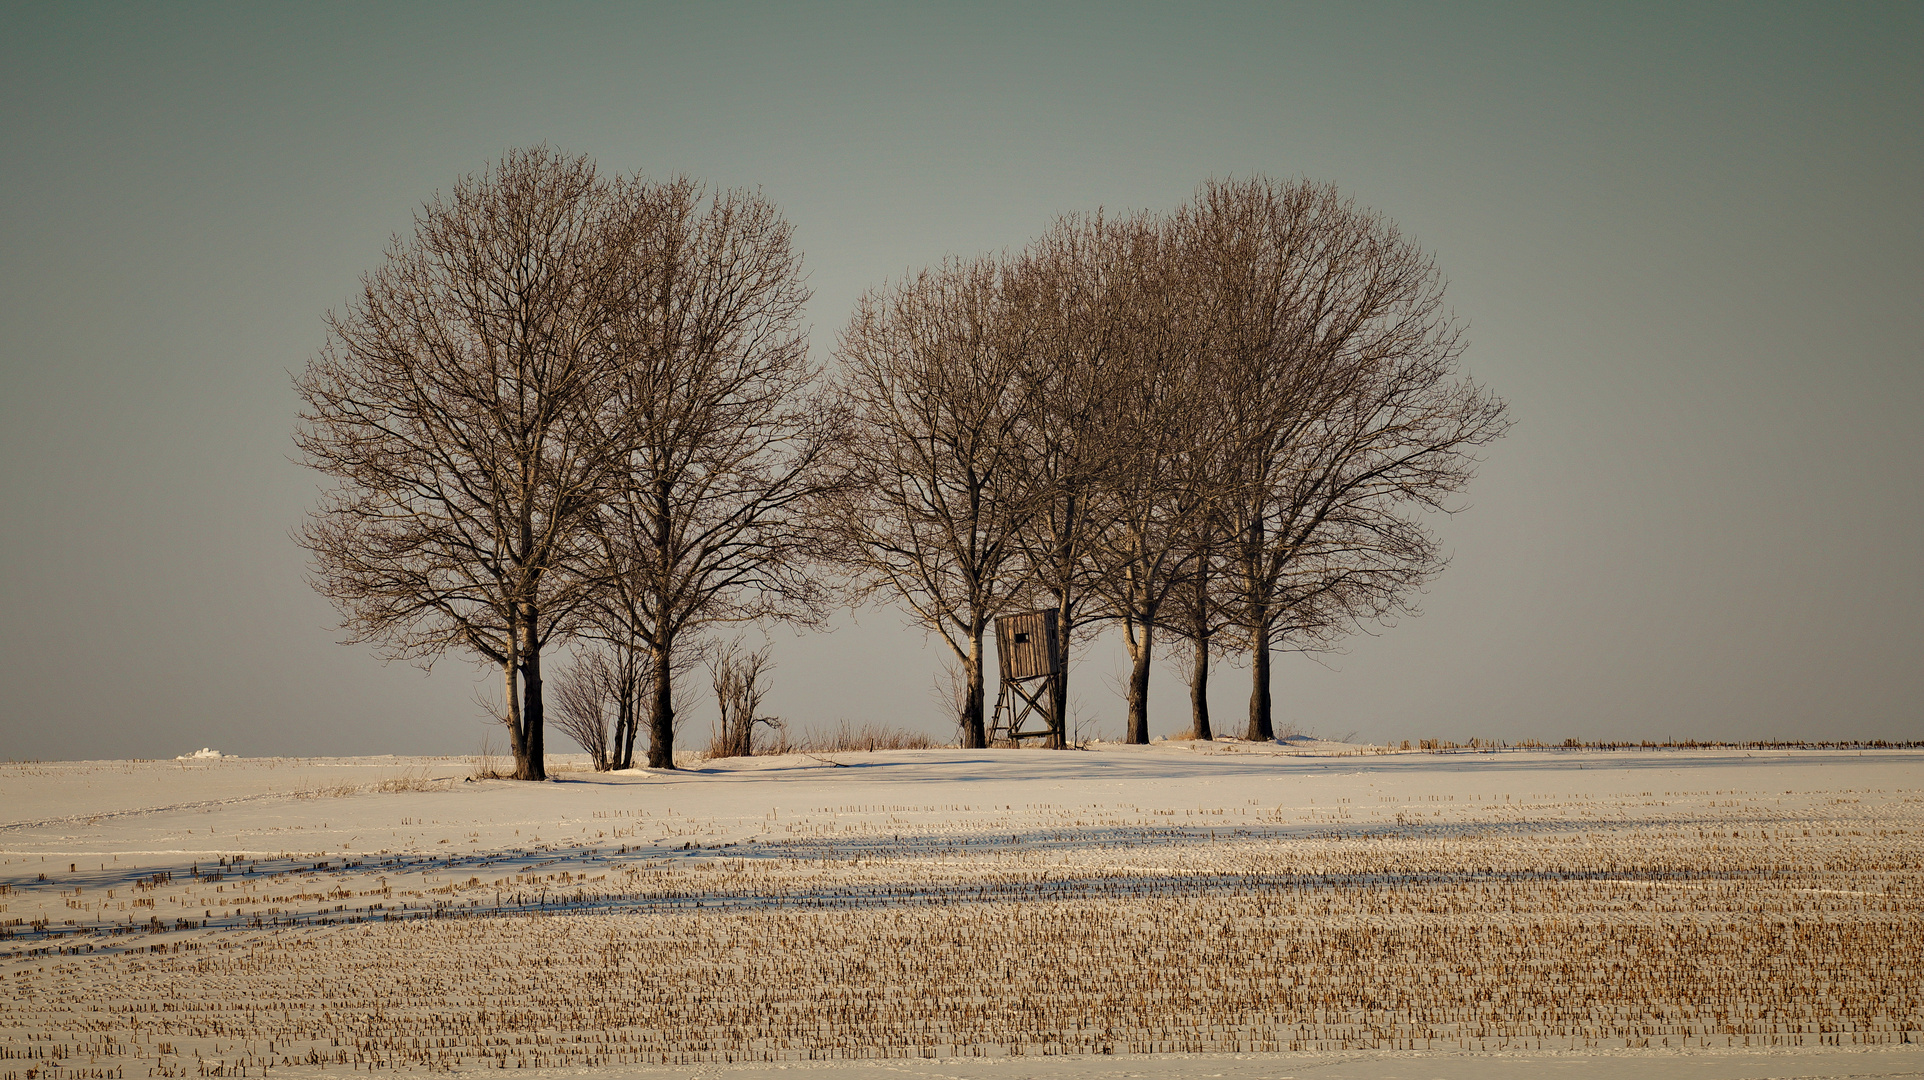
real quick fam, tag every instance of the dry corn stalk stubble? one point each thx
(1539, 924)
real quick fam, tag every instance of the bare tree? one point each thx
(702, 523)
(1194, 610)
(736, 673)
(1158, 489)
(1348, 417)
(459, 408)
(1072, 423)
(929, 490)
(630, 680)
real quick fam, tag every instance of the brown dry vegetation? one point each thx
(1092, 936)
(846, 738)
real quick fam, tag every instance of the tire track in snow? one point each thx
(82, 819)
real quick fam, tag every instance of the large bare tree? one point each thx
(702, 521)
(931, 484)
(1075, 426)
(460, 409)
(1157, 489)
(1194, 609)
(1349, 416)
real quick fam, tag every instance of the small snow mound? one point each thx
(202, 754)
(1313, 744)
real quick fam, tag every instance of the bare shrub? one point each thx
(736, 673)
(581, 708)
(486, 763)
(604, 689)
(955, 697)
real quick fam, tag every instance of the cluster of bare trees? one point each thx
(567, 407)
(1225, 423)
(579, 408)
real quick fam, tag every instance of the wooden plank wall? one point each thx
(1025, 644)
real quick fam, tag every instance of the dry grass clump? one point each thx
(844, 738)
(412, 780)
(867, 737)
(487, 764)
(409, 781)
(330, 791)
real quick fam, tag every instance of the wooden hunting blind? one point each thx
(1028, 652)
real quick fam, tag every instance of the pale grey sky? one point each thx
(1689, 245)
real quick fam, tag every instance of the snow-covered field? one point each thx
(1181, 909)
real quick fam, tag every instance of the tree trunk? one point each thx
(975, 731)
(1059, 694)
(634, 716)
(621, 731)
(1256, 611)
(624, 712)
(630, 702)
(531, 760)
(1199, 689)
(1260, 729)
(1140, 652)
(511, 675)
(1065, 568)
(661, 718)
(620, 689)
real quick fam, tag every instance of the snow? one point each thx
(1729, 913)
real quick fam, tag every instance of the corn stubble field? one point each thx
(251, 917)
